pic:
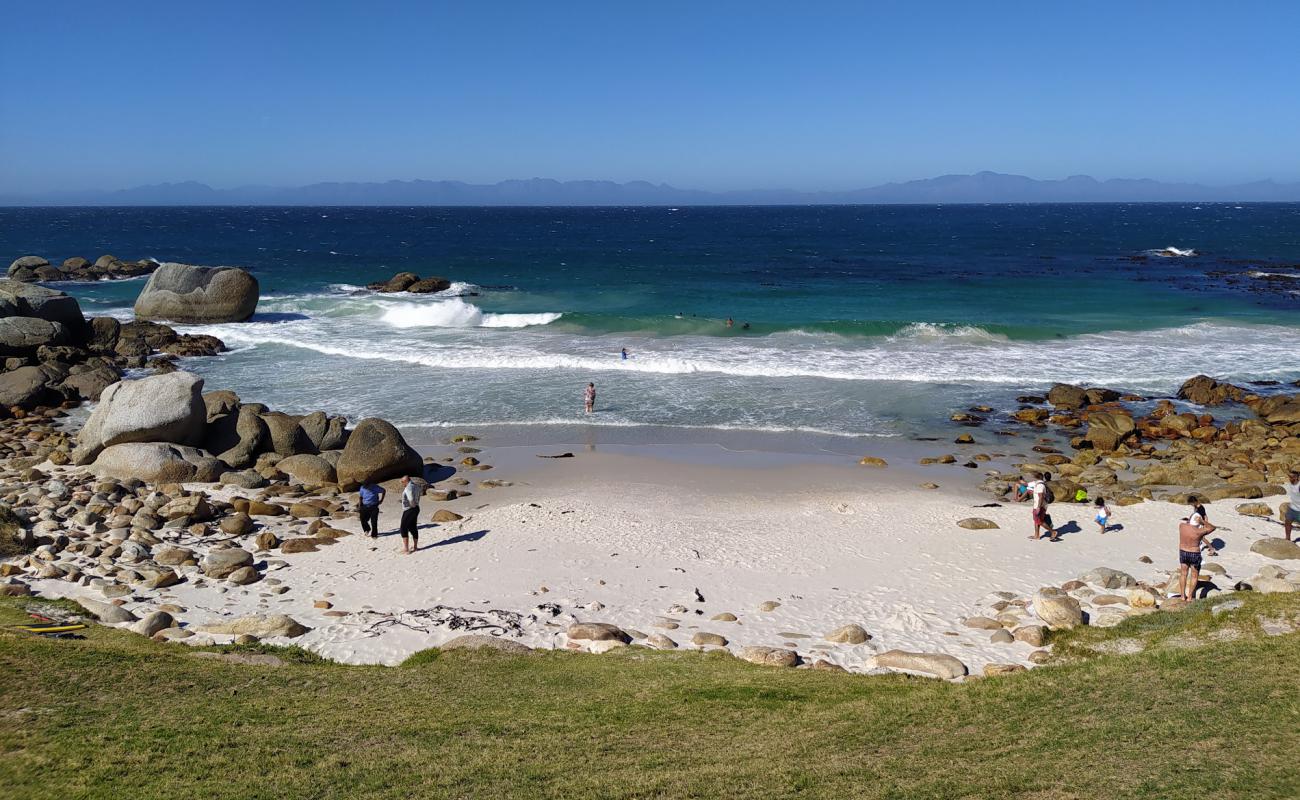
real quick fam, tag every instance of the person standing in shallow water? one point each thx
(411, 491)
(589, 398)
(372, 494)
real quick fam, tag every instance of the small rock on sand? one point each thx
(768, 605)
(1276, 548)
(598, 632)
(873, 461)
(478, 641)
(768, 656)
(939, 665)
(659, 642)
(725, 616)
(706, 639)
(845, 634)
(152, 623)
(1057, 609)
(261, 626)
(977, 524)
(1032, 635)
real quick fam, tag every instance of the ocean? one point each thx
(848, 321)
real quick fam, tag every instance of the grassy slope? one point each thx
(116, 715)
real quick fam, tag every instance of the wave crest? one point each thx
(456, 313)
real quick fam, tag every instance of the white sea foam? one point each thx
(456, 313)
(1152, 360)
(1172, 252)
(935, 330)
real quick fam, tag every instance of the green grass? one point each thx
(115, 715)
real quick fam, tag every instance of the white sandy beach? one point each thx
(618, 538)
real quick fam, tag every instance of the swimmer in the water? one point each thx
(624, 354)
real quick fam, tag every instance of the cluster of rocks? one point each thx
(54, 357)
(133, 542)
(412, 283)
(600, 637)
(164, 429)
(32, 269)
(1104, 597)
(1164, 453)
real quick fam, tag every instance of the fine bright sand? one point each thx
(622, 538)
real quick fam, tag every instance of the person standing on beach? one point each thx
(1041, 498)
(1190, 535)
(1102, 517)
(1291, 514)
(589, 398)
(372, 494)
(411, 491)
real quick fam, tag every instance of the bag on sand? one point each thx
(1049, 496)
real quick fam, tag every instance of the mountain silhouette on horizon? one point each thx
(980, 187)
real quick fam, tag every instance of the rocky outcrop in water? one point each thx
(198, 295)
(1130, 450)
(30, 269)
(412, 283)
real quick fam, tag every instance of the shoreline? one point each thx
(782, 547)
(628, 540)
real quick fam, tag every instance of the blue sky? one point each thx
(711, 95)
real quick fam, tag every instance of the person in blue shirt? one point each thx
(372, 494)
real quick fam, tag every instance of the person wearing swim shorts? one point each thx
(1291, 513)
(589, 398)
(1189, 554)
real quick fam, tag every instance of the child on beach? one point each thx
(1103, 514)
(1020, 493)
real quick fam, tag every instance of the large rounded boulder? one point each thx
(1107, 430)
(376, 451)
(26, 300)
(28, 387)
(157, 462)
(198, 295)
(23, 336)
(161, 408)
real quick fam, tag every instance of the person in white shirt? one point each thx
(1291, 512)
(1038, 490)
(1102, 516)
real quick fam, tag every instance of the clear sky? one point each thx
(711, 95)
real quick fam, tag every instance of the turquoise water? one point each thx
(862, 320)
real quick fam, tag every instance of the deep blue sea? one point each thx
(860, 320)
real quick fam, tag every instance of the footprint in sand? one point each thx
(842, 508)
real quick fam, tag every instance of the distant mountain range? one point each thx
(982, 187)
